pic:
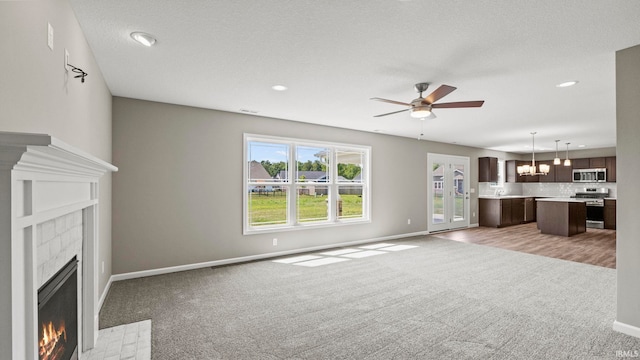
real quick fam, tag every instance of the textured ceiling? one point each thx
(335, 55)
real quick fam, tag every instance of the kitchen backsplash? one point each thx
(564, 189)
(543, 189)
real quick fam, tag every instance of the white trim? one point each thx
(42, 178)
(448, 173)
(173, 269)
(626, 329)
(104, 294)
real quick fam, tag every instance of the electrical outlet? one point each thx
(275, 241)
(50, 36)
(66, 59)
(474, 214)
(408, 221)
(103, 267)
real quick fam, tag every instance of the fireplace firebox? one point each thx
(58, 315)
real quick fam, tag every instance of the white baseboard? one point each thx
(172, 269)
(474, 225)
(103, 296)
(626, 329)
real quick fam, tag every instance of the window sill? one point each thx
(275, 229)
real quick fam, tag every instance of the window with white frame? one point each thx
(500, 182)
(293, 183)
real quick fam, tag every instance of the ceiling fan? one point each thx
(422, 106)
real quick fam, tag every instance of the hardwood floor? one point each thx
(595, 247)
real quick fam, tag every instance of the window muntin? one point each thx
(500, 182)
(291, 183)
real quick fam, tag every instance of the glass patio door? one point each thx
(448, 192)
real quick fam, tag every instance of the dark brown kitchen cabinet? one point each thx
(529, 209)
(597, 163)
(563, 173)
(611, 168)
(490, 212)
(510, 168)
(505, 212)
(527, 178)
(581, 163)
(551, 176)
(517, 211)
(610, 214)
(494, 212)
(487, 169)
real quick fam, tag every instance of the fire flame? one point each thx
(50, 339)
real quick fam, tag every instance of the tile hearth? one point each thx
(124, 342)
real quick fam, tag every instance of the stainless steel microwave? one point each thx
(590, 175)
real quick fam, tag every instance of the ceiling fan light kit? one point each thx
(420, 112)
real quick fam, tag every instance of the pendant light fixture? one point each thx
(567, 162)
(531, 169)
(556, 160)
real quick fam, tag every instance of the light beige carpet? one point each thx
(441, 300)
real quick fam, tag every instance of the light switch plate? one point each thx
(50, 36)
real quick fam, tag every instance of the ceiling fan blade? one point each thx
(391, 113)
(390, 101)
(459, 104)
(439, 93)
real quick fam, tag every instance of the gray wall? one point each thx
(628, 168)
(178, 195)
(37, 96)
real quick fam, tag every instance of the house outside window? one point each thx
(294, 184)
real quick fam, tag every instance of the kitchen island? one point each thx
(561, 216)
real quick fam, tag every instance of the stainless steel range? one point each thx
(595, 205)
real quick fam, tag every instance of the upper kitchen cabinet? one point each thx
(511, 168)
(597, 163)
(563, 173)
(487, 169)
(581, 163)
(611, 168)
(551, 176)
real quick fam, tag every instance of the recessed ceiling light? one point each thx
(143, 38)
(581, 146)
(567, 84)
(279, 87)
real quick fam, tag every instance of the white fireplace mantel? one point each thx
(41, 179)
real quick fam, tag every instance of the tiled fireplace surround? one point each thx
(48, 215)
